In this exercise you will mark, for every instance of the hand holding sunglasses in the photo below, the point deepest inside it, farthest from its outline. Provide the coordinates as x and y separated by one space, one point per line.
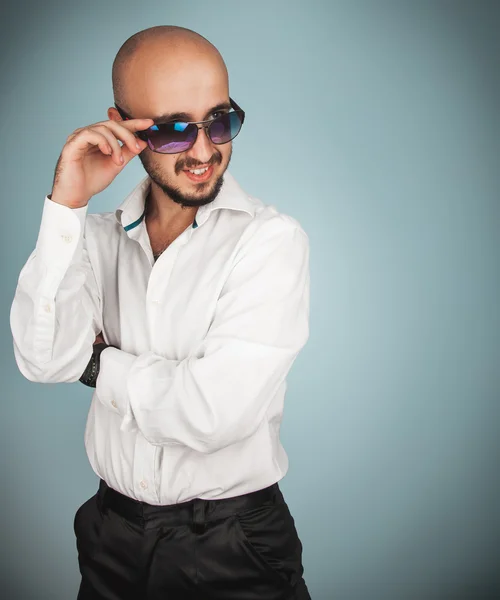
92 158
174 137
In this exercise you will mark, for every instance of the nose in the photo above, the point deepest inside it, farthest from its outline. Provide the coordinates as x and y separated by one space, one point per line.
203 148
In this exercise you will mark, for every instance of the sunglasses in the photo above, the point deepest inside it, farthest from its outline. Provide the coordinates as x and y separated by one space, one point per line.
176 136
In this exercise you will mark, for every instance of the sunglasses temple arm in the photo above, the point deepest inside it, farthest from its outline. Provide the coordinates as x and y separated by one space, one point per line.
125 117
233 104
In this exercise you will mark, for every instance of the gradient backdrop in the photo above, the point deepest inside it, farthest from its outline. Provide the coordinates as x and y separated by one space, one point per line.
375 124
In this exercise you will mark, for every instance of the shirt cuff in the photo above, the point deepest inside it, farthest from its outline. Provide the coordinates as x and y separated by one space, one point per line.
111 384
61 233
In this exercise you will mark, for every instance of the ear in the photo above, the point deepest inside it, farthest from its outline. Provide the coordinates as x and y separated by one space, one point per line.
113 114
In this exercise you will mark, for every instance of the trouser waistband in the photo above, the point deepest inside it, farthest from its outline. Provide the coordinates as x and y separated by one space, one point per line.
197 510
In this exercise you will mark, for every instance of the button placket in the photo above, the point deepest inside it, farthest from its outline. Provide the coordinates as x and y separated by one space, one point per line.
144 469
169 258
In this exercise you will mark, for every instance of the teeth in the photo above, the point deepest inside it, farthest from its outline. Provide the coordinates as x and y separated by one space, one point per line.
198 171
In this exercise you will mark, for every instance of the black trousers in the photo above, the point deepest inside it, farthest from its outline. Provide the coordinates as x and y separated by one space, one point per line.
240 548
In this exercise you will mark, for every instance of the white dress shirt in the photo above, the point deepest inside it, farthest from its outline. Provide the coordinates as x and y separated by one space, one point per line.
191 403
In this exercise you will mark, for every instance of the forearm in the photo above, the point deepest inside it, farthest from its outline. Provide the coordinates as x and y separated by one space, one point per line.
56 313
219 394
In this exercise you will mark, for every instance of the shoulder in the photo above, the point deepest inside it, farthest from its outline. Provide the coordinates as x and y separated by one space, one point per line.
102 224
270 238
269 223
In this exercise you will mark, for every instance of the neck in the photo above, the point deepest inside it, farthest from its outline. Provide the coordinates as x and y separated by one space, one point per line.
164 212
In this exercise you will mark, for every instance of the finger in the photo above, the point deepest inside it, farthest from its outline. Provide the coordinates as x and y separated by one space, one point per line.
133 124
79 144
130 124
112 141
124 151
128 154
125 130
122 133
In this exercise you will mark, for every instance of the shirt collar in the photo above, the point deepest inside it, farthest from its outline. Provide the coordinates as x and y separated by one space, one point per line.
130 213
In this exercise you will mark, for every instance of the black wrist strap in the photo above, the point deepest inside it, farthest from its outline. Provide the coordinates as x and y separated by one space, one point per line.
89 376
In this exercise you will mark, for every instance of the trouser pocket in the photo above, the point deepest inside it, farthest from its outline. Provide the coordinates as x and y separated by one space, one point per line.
269 533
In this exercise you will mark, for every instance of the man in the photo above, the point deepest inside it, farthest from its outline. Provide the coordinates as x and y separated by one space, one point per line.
192 301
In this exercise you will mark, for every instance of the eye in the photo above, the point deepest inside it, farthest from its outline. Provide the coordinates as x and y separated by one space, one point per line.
218 113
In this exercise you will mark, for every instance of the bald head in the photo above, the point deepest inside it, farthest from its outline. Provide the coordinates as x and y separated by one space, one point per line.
165 60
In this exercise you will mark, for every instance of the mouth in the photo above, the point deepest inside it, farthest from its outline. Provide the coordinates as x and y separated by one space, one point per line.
199 175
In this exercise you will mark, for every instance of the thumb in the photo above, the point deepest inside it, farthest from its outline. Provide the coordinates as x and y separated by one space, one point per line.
129 154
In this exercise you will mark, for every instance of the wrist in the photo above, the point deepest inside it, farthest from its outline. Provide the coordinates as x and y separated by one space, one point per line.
55 198
89 376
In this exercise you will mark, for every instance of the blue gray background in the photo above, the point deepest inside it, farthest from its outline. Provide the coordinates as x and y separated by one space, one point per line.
375 124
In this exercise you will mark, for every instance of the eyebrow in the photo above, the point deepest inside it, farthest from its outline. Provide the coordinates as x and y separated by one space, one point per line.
185 117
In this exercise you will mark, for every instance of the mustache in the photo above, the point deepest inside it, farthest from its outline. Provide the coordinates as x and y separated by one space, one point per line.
216 159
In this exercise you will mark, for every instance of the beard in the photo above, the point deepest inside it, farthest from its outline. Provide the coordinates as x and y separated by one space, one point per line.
175 194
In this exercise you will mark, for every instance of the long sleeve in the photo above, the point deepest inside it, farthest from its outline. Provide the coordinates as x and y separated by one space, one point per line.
56 311
220 392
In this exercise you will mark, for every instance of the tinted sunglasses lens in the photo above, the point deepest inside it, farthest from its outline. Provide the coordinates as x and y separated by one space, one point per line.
171 138
225 128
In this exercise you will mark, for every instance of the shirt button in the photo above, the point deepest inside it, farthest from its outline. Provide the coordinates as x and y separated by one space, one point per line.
143 484
47 308
114 403
67 238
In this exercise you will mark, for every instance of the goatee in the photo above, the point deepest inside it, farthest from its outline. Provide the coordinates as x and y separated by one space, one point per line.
175 194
